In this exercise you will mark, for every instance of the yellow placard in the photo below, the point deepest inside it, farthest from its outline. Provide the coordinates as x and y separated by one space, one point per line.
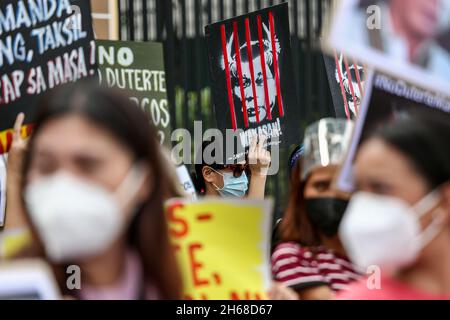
222 247
6 137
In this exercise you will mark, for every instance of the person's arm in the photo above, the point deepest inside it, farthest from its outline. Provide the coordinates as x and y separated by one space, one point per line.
322 292
279 291
259 161
15 211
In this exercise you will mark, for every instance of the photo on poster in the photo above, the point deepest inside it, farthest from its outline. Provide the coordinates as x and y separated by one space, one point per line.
407 39
253 89
43 44
385 99
346 78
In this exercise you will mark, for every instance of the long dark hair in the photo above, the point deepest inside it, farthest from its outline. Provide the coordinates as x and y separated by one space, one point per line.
295 225
424 137
116 113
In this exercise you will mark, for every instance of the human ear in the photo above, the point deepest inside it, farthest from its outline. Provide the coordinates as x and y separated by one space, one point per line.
445 204
208 174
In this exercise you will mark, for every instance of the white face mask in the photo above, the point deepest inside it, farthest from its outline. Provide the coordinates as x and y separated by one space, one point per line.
77 219
386 231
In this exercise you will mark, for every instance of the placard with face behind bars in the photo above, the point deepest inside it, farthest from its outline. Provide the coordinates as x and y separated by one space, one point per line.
346 78
252 82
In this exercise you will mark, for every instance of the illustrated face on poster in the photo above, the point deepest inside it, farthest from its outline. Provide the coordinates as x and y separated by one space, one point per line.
385 99
346 79
251 75
407 38
258 73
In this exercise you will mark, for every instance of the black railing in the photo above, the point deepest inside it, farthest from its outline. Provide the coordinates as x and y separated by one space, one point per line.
179 24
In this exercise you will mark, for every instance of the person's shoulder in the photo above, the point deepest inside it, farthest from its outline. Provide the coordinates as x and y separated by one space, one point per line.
292 248
286 248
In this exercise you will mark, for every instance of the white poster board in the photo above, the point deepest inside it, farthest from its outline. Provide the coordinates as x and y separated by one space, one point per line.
27 280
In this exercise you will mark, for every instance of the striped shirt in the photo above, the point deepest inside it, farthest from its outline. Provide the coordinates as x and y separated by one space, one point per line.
299 267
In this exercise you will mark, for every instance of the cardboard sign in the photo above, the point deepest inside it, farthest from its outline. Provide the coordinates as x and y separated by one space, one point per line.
346 79
385 98
409 41
222 247
250 65
105 19
28 280
186 182
138 67
43 44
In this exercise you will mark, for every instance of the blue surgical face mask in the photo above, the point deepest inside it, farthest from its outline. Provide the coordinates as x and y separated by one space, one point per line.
232 186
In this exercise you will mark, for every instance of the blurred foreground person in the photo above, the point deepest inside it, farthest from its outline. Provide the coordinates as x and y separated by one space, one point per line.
94 186
15 236
310 258
399 219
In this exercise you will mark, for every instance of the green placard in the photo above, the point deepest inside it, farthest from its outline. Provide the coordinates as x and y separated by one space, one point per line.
138 67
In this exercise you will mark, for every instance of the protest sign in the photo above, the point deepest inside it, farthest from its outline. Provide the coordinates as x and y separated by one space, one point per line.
27 280
385 98
186 182
138 67
222 247
346 79
43 44
407 41
252 84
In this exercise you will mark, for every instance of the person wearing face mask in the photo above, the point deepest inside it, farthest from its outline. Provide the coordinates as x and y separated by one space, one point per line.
243 179
398 221
310 257
94 183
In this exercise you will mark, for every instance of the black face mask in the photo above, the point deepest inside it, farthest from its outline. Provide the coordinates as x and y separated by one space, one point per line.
325 214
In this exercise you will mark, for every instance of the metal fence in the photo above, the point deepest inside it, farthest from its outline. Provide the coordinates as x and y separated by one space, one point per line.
179 24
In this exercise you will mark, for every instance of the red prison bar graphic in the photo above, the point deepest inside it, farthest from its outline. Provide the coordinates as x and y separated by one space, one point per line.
239 68
263 67
237 59
275 64
228 77
350 83
358 77
252 70
341 83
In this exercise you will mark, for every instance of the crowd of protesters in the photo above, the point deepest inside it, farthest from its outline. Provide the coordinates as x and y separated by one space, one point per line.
88 188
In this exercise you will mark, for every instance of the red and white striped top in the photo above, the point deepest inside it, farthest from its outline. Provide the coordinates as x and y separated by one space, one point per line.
299 267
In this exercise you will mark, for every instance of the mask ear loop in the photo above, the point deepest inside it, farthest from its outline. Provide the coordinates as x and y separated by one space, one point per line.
215 186
432 230
426 204
131 184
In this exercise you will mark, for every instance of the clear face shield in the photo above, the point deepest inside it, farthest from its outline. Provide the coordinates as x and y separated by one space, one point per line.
326 142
